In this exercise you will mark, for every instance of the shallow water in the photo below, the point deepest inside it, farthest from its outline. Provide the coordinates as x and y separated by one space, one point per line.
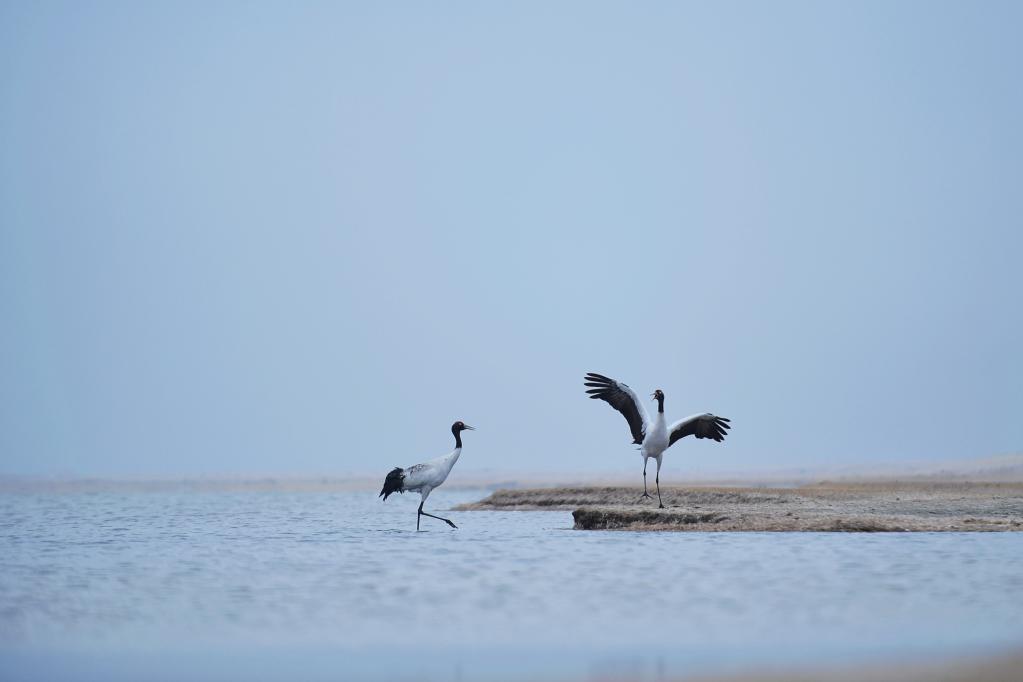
340 586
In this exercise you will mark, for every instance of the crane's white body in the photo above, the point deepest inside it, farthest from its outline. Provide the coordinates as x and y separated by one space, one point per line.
423 478
656 440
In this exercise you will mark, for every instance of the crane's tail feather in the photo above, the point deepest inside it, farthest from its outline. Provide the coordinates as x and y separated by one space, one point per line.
393 483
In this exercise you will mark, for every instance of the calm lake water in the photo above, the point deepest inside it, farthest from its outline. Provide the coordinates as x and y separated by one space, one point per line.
282 586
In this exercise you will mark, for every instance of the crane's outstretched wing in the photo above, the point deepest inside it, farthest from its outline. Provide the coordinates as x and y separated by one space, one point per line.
619 396
704 425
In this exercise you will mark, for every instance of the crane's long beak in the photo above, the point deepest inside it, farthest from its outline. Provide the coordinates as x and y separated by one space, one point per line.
469 428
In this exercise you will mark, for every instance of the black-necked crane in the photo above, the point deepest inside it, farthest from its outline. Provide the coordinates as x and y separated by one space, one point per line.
653 437
424 478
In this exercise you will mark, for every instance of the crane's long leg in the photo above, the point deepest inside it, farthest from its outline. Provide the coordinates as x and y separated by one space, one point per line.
439 518
645 493
657 480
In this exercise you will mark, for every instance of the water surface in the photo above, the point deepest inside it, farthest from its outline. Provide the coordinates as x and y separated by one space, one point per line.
334 586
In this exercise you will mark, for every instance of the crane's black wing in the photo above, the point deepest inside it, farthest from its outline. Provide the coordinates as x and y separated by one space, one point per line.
619 396
393 483
704 425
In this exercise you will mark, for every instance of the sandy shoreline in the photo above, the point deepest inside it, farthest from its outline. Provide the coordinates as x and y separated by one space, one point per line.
1004 667
858 507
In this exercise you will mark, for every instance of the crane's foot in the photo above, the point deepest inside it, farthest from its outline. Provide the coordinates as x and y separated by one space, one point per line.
450 524
647 496
661 506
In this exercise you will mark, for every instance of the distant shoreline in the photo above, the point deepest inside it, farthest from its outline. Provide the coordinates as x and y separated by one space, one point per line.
891 506
998 469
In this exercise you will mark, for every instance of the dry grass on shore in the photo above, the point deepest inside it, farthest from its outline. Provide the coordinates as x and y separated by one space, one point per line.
859 507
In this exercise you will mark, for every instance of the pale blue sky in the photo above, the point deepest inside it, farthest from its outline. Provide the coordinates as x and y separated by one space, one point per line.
306 237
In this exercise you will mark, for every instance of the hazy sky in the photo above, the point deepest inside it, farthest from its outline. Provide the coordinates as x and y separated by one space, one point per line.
305 237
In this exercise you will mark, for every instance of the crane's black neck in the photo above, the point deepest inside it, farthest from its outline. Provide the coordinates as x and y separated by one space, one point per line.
458 436
660 404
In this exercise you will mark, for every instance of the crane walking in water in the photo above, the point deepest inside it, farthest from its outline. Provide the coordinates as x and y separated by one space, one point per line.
653 437
423 478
